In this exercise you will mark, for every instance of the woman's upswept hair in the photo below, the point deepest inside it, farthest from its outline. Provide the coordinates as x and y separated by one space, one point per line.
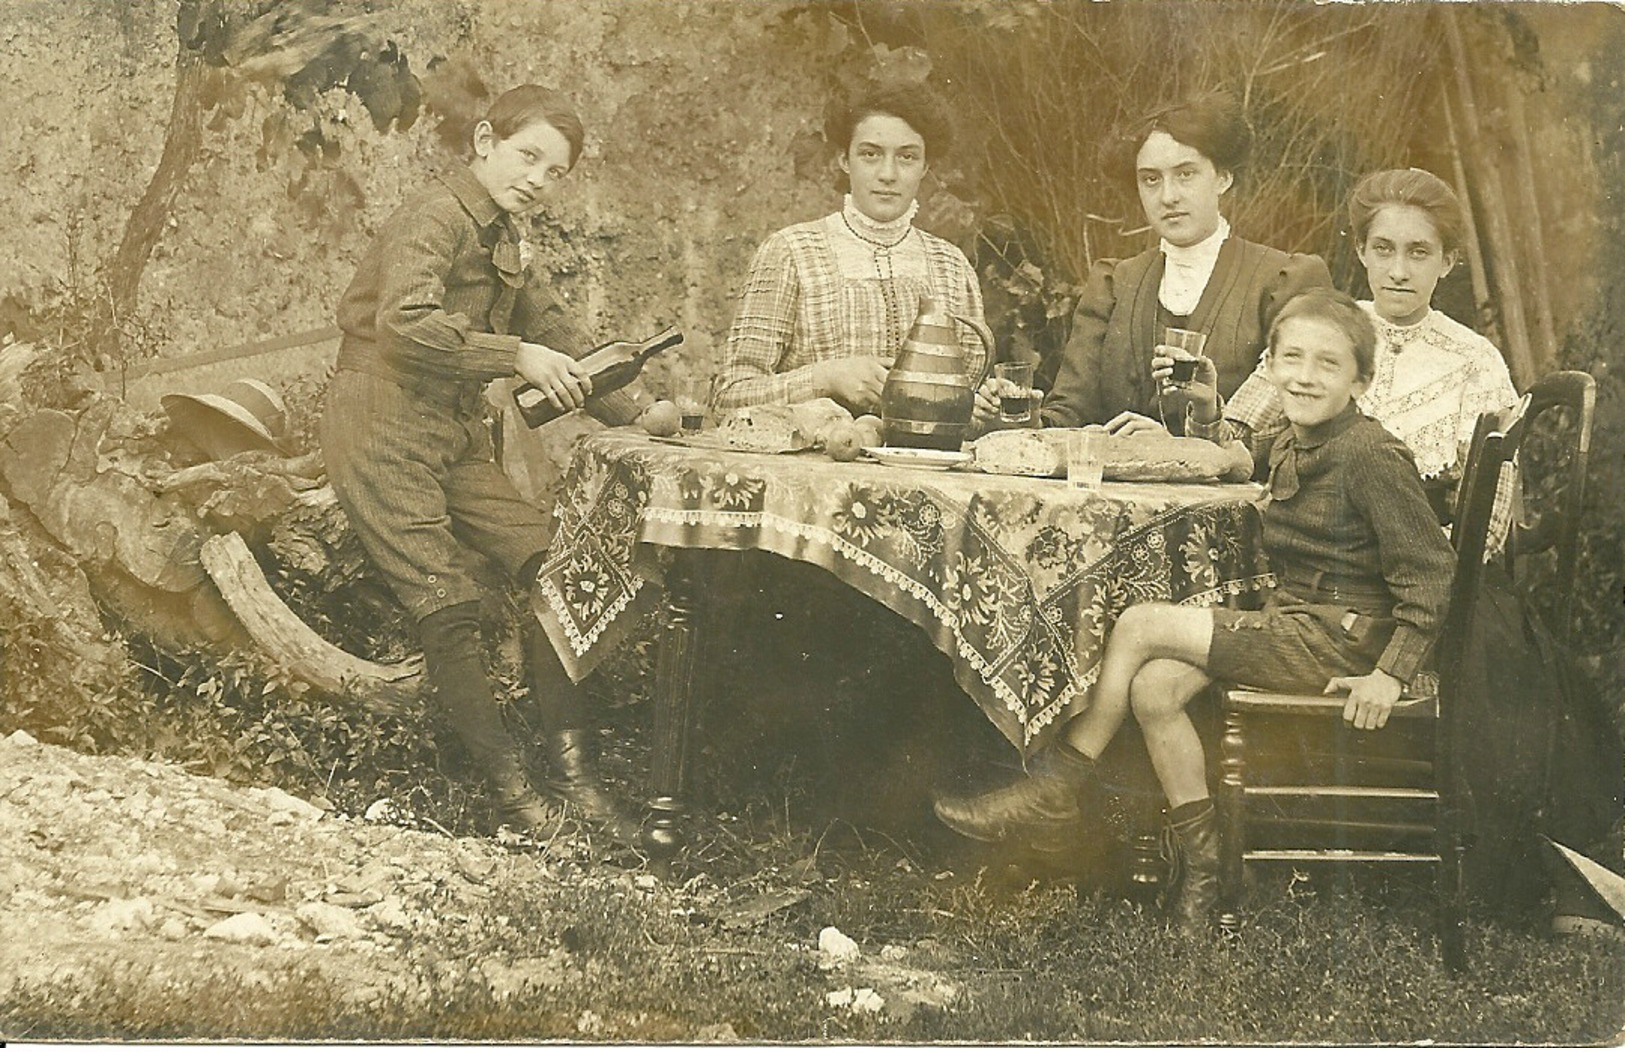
1210 122
1407 186
517 108
1337 308
914 102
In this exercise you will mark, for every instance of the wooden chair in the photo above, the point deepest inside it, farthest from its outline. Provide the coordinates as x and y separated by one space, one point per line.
1537 764
1553 440
1299 785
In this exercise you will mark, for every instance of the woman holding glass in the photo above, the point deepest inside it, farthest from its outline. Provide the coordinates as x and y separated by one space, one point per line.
1117 367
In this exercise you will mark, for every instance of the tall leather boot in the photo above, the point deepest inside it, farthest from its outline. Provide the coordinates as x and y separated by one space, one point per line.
1045 809
451 659
571 760
1193 833
518 805
573 775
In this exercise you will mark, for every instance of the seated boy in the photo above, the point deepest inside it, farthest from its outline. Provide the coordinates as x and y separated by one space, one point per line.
1364 578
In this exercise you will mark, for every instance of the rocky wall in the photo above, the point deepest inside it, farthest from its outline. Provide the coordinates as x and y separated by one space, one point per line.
693 111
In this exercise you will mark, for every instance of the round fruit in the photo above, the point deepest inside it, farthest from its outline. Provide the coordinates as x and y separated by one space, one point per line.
873 431
662 419
844 443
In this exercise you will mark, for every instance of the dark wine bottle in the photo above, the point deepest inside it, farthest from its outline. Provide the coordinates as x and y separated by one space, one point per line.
611 366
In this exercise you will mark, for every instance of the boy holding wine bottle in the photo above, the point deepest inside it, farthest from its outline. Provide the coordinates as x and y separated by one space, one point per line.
442 303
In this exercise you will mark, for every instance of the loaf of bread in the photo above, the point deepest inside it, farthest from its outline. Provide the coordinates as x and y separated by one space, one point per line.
1020 451
1145 457
782 428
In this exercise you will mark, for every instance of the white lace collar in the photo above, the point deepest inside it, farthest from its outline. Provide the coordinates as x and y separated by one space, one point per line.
1187 269
873 231
1397 336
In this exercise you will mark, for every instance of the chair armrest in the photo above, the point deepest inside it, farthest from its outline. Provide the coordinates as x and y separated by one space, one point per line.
1240 699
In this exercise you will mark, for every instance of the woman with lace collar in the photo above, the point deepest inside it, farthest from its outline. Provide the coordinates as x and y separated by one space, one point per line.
827 303
1113 370
1434 376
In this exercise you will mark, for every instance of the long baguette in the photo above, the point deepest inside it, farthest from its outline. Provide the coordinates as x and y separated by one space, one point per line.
1153 457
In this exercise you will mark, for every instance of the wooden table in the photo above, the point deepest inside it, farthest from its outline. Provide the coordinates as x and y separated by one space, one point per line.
1017 580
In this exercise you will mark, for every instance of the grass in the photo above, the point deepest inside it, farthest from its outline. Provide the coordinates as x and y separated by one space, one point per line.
1039 963
820 791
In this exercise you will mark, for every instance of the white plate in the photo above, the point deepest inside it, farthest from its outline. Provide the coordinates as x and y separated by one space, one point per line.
924 459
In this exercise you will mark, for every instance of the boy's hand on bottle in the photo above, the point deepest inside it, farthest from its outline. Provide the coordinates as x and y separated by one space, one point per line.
560 378
854 382
1371 698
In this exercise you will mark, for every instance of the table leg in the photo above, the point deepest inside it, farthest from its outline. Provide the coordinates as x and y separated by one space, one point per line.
1146 864
672 760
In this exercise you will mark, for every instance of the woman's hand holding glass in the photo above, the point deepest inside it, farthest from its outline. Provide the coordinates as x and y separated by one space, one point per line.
1201 390
985 411
560 378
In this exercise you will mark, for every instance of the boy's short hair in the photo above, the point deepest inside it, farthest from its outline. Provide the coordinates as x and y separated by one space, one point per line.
518 108
1336 308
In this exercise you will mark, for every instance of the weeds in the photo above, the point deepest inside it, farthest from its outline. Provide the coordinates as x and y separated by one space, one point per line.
89 330
1046 964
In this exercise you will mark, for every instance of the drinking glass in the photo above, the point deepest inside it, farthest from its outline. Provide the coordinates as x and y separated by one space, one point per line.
1085 459
1186 346
1015 389
693 413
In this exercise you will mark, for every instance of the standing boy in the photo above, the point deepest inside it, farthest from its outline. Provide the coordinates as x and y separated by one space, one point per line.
443 302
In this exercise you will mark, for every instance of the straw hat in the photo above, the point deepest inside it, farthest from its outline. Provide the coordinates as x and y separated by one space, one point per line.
246 415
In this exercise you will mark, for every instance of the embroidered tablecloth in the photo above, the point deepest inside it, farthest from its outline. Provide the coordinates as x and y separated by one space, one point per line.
1017 580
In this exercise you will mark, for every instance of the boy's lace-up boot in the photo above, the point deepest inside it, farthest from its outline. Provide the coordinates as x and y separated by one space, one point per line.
1045 809
518 805
1192 841
452 659
573 775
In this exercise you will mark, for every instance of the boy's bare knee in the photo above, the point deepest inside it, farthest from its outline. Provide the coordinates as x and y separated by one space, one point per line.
1136 627
1158 692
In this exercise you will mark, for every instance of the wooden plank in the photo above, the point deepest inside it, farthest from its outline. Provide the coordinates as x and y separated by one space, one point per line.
1334 855
159 366
1362 792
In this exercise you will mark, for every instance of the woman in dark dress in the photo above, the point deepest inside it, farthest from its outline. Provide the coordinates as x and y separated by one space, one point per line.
1199 277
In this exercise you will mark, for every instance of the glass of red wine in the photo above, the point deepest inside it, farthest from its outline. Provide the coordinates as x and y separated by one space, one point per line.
1014 383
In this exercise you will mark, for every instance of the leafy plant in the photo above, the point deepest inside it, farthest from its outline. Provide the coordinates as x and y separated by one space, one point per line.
89 328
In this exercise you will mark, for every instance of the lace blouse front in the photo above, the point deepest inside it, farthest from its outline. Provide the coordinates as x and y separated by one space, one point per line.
1432 380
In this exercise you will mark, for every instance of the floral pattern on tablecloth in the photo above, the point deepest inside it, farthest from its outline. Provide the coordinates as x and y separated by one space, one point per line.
1017 580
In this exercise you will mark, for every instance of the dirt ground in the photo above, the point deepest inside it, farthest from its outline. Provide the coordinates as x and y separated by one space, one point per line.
131 867
149 878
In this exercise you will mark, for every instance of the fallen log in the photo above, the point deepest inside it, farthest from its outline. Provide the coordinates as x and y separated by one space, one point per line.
280 635
61 661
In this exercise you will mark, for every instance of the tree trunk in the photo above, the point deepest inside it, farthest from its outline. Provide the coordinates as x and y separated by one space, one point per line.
1501 247
183 140
292 646
57 660
1538 288
1458 173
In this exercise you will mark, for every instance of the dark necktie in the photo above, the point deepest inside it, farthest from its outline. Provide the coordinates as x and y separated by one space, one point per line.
1283 482
506 257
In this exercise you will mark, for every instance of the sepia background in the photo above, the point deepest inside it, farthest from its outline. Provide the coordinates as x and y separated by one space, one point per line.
219 189
188 185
